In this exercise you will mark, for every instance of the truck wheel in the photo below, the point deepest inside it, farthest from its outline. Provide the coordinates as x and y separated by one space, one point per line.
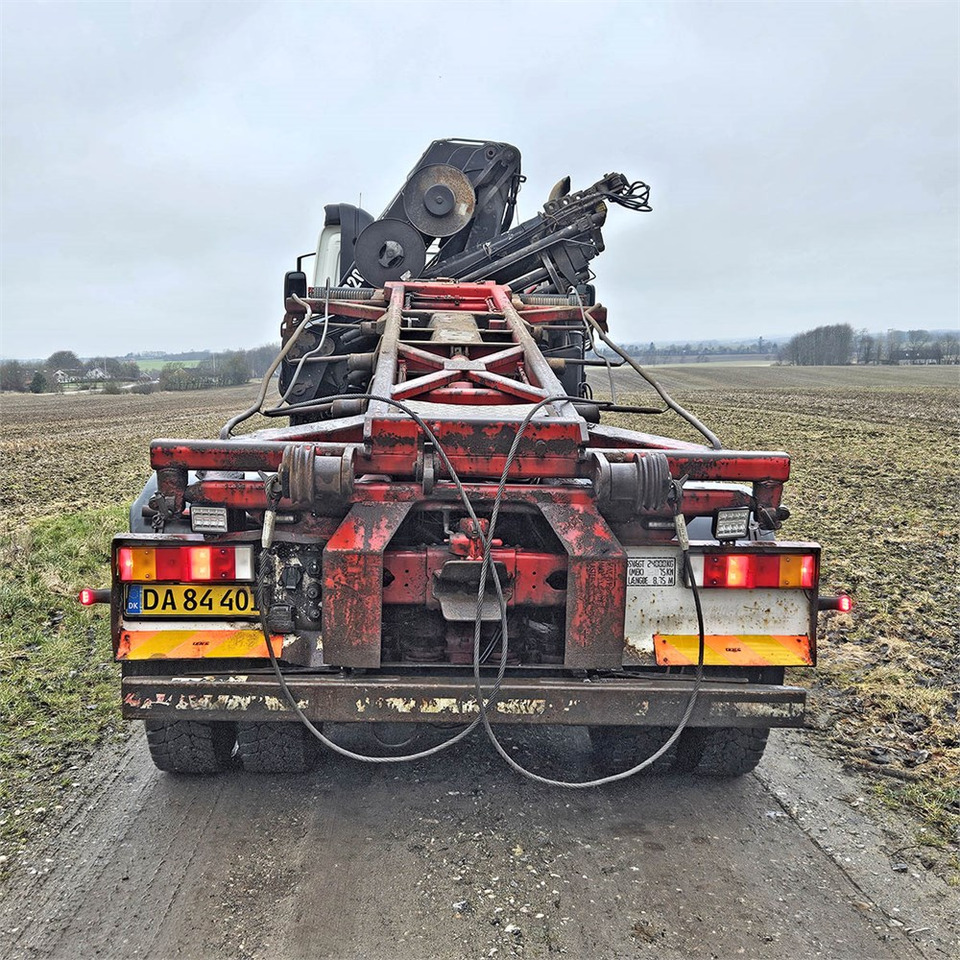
721 751
190 746
283 747
616 749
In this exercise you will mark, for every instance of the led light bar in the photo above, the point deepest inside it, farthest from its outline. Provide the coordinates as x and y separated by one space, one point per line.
208 519
751 571
731 523
203 564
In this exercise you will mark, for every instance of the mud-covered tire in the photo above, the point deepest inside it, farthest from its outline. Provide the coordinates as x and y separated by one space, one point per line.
283 747
190 746
617 748
723 752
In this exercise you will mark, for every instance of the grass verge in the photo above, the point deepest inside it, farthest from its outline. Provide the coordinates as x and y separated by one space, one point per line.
58 682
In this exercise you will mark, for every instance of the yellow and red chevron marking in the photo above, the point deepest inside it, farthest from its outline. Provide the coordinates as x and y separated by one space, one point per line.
757 650
193 644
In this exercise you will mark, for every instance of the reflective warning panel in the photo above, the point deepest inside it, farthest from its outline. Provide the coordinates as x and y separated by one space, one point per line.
759 650
193 644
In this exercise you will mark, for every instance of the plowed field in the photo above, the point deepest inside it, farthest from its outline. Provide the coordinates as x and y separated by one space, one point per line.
875 480
63 452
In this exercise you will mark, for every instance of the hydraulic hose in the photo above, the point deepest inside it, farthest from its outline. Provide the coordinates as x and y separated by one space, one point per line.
265 571
484 702
227 429
664 396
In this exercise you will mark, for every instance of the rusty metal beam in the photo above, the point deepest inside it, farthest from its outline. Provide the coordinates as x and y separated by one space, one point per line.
596 584
641 701
353 583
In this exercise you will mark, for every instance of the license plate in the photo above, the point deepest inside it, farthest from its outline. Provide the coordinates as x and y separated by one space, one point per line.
197 601
651 571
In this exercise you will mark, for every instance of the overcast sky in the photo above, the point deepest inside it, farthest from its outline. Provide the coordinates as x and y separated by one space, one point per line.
163 164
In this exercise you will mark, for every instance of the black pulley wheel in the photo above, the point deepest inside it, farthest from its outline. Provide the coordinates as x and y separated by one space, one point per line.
439 200
388 249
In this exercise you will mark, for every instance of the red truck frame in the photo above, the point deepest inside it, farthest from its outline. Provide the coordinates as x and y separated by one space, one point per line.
370 600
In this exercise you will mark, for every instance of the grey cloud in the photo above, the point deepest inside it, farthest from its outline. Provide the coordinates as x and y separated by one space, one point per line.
164 163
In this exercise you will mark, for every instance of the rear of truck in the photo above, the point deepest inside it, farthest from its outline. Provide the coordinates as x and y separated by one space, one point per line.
444 531
465 542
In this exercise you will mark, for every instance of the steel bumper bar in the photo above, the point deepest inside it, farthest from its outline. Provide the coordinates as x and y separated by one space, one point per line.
641 701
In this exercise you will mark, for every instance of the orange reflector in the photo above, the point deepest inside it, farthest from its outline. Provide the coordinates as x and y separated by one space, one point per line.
791 570
143 563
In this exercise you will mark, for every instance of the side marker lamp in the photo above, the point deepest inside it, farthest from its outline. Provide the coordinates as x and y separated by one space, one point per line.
843 603
731 523
88 596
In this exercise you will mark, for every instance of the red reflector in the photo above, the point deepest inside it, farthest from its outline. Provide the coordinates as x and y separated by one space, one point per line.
125 563
807 571
844 603
767 571
222 564
169 565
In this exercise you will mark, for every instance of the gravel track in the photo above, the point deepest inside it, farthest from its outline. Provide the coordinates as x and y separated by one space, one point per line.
458 858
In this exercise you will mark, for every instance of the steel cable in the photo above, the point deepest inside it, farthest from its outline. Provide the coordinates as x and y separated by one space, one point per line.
483 702
227 429
664 396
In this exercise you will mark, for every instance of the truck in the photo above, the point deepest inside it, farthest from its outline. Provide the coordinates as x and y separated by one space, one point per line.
436 526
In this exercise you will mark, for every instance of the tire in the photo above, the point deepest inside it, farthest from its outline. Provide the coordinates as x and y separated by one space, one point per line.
283 747
190 746
723 752
616 748
397 739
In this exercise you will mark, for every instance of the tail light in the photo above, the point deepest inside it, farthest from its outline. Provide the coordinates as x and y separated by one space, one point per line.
200 564
750 571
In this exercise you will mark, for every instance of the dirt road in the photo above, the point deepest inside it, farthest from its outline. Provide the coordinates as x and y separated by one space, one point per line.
457 858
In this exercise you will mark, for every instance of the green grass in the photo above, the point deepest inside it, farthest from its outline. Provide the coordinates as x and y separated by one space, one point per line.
58 682
873 479
155 366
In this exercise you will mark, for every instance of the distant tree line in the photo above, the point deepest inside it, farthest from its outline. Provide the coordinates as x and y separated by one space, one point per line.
64 368
822 347
693 351
218 369
907 347
840 344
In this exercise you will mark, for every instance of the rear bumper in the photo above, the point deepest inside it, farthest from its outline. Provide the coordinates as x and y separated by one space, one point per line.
631 701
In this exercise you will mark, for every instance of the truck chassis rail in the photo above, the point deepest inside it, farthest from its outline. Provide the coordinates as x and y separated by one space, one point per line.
628 701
